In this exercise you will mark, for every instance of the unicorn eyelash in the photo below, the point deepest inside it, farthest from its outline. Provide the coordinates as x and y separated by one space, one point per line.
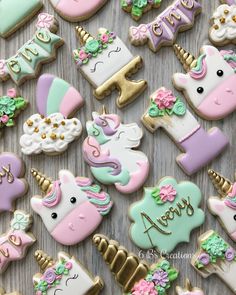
118 136
57 290
72 278
95 66
118 49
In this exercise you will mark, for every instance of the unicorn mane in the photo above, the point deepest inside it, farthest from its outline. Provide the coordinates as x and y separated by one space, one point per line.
53 198
230 200
94 156
230 57
102 122
200 70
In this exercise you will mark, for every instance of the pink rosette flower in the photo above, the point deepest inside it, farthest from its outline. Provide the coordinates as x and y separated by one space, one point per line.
167 193
49 276
39 293
165 99
45 21
4 119
145 288
104 38
68 265
2 67
83 55
11 92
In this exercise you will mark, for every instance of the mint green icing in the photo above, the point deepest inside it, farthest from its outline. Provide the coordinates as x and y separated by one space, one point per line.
199 63
104 176
97 132
178 109
151 227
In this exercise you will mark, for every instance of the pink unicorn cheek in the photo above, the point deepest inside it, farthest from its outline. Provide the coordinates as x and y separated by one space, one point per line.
221 101
77 225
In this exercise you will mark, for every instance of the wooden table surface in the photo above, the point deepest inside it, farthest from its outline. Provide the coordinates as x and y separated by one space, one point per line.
160 149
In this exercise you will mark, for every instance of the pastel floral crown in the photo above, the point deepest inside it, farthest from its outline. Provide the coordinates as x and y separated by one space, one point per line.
93 47
52 277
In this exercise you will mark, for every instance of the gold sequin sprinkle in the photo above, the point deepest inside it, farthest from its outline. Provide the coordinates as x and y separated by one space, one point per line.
36 130
75 122
47 121
216 27
55 125
226 11
43 136
63 123
42 116
62 137
222 20
29 123
234 18
53 136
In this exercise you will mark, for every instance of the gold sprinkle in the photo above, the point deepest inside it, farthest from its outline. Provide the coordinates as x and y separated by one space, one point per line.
222 20
29 123
75 122
234 18
53 136
216 27
47 121
62 137
42 116
55 125
63 123
226 11
43 136
36 130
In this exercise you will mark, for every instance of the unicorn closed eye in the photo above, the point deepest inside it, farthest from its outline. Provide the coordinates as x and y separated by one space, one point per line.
224 206
72 208
108 151
210 84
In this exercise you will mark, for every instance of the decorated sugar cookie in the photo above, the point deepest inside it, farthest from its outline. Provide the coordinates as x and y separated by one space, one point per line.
16 241
138 8
3 292
224 206
65 276
72 208
133 275
188 290
230 2
210 83
166 215
12 183
169 112
108 150
215 256
163 31
11 105
18 13
52 129
41 49
77 10
223 29
106 62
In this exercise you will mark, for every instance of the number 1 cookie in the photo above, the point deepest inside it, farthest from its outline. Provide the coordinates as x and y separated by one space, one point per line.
66 276
105 61
133 275
188 290
200 147
224 205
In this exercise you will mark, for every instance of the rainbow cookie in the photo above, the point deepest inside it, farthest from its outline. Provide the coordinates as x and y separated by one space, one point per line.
18 13
166 215
41 49
11 105
16 241
72 208
52 129
224 206
12 183
163 31
106 62
215 256
200 147
108 150
138 8
133 275
188 290
223 29
66 276
3 292
77 10
210 82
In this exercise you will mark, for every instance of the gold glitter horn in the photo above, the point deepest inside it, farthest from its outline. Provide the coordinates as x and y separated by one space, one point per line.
43 181
187 60
127 267
44 261
83 35
222 184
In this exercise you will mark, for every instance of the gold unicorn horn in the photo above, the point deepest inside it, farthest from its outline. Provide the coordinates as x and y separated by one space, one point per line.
187 60
222 184
44 182
44 261
83 35
127 267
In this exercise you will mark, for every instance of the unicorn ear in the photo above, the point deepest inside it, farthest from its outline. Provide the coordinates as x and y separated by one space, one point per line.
36 204
210 50
180 80
66 177
216 205
63 256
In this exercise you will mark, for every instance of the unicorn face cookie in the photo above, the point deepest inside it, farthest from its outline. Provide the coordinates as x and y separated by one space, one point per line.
188 290
79 10
52 129
210 84
169 112
108 150
18 13
133 275
64 276
72 208
105 62
224 206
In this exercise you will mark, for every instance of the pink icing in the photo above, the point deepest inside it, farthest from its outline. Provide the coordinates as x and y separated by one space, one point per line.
167 193
71 101
53 198
232 194
45 21
83 220
201 73
139 33
144 287
11 92
164 99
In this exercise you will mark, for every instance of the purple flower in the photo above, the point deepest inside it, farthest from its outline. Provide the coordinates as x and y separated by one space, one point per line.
49 276
160 277
230 254
204 259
